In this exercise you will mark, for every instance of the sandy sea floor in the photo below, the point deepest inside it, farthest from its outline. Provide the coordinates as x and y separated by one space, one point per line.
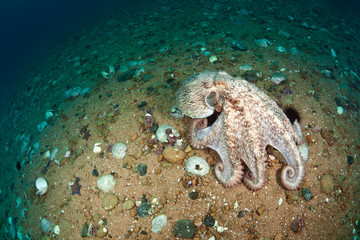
164 41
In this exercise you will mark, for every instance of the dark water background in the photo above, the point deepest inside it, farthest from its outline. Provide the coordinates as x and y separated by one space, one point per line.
30 29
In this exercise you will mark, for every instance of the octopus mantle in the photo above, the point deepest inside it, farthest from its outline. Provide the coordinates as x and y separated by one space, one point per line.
247 121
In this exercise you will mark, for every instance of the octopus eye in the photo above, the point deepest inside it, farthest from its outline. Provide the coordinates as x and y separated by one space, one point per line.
212 99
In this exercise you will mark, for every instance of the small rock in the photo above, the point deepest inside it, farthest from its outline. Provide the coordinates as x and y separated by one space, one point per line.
142 105
141 169
184 229
158 223
193 195
242 213
134 137
101 232
84 230
174 155
144 209
278 78
110 201
128 204
327 183
328 136
292 196
350 159
260 210
310 138
307 194
209 221
278 236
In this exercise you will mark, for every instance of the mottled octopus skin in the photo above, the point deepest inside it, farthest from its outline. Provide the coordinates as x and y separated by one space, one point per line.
248 121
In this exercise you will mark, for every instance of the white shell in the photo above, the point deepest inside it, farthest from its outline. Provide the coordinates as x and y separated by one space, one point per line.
105 75
213 59
161 134
340 110
197 166
111 70
49 114
42 186
97 148
263 42
56 229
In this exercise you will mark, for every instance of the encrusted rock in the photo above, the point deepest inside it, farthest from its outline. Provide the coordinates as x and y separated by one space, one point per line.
110 201
327 183
128 204
184 229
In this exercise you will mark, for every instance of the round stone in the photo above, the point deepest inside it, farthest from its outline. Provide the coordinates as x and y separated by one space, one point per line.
307 194
141 169
327 183
184 229
101 232
110 201
128 204
193 195
158 223
174 155
209 221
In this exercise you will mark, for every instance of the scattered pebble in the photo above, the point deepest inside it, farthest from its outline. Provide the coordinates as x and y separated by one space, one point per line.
306 193
158 223
350 159
260 210
278 78
242 213
141 169
184 229
327 183
84 230
128 204
292 196
209 221
110 201
193 195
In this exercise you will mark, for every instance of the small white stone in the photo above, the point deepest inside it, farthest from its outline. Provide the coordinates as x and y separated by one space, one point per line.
111 70
333 53
213 59
105 75
281 49
340 110
280 201
97 148
49 114
158 223
56 230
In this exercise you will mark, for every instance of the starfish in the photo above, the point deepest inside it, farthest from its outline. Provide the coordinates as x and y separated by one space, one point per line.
75 188
238 121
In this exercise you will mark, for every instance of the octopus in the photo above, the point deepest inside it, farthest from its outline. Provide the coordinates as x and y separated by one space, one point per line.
238 121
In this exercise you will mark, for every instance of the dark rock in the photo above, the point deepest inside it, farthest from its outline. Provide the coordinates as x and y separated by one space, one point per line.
141 169
338 101
141 105
84 230
147 77
209 221
184 229
350 159
193 195
154 128
95 172
126 76
239 46
242 213
144 208
307 194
